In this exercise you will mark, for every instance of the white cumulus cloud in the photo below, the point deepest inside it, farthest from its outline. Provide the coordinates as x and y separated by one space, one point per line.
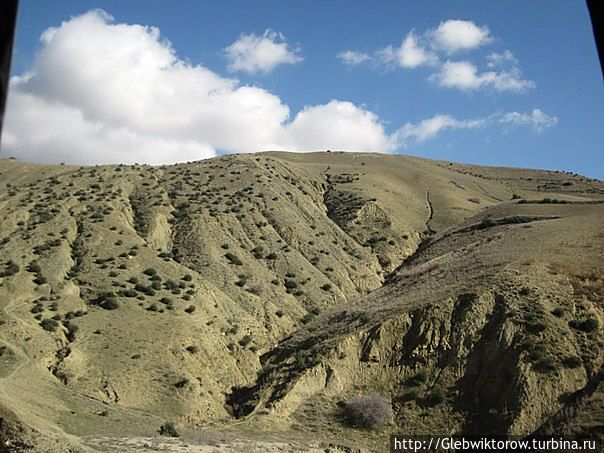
104 92
450 37
253 54
454 35
101 92
410 54
464 75
338 125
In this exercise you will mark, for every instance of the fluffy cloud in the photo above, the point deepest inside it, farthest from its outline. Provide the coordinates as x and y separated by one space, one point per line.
465 76
253 54
338 125
455 35
101 92
448 38
410 54
537 120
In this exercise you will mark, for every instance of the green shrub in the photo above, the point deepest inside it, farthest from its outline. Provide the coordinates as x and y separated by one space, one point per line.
258 252
34 268
247 339
168 429
190 309
326 287
435 397
558 312
145 290
290 284
40 280
420 378
49 324
586 325
11 269
233 259
110 303
192 349
536 327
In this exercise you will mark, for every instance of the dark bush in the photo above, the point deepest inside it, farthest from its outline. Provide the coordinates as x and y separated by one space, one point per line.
11 269
40 280
368 411
233 259
110 303
545 365
34 268
49 324
247 339
536 327
190 309
586 325
435 397
558 312
418 379
290 284
572 362
168 429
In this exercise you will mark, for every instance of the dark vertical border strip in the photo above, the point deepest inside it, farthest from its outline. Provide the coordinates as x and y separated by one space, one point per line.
8 21
596 11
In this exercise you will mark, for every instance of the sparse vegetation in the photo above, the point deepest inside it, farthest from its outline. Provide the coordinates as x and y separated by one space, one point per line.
295 276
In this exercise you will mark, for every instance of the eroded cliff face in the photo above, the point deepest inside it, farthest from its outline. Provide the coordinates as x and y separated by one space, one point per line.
512 356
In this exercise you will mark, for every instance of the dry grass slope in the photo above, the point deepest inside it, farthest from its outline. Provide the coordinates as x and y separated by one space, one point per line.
248 298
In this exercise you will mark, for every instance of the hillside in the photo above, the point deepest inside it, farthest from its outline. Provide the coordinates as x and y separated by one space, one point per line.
246 297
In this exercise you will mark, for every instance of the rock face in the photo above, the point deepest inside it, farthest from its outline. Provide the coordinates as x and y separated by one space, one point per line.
258 293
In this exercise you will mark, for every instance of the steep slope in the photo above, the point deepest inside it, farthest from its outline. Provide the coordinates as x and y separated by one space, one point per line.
197 292
492 327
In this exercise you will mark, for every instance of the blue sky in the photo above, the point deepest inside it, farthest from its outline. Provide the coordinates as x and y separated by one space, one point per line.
384 103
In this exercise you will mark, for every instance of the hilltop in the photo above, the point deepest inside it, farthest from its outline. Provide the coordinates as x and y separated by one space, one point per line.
247 298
